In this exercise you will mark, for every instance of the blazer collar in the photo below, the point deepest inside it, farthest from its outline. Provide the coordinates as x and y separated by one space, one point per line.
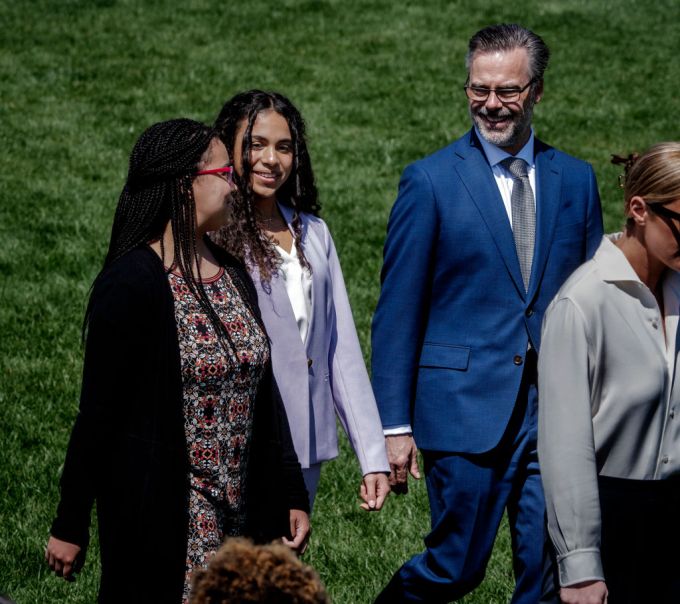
476 175
287 213
548 203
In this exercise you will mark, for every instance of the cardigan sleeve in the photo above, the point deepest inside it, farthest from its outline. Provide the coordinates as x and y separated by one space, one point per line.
566 445
352 392
107 353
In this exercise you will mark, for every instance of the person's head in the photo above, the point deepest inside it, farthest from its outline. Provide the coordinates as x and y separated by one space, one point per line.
178 174
505 65
243 573
651 188
163 187
265 134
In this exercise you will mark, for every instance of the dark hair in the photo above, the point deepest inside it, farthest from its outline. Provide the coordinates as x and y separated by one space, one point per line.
509 36
158 190
242 573
298 192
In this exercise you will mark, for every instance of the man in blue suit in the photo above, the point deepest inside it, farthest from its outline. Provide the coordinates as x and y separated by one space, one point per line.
480 238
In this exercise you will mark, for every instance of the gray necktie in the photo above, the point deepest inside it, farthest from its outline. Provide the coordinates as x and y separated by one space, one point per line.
523 215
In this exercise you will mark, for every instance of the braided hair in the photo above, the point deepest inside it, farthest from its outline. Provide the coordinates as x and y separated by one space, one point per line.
158 190
298 192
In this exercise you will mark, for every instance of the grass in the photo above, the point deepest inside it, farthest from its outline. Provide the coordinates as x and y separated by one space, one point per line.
379 84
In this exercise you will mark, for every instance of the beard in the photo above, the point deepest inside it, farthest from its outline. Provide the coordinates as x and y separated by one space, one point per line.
515 130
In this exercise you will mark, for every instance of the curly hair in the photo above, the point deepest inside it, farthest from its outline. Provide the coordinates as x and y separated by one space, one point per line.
244 573
158 190
298 192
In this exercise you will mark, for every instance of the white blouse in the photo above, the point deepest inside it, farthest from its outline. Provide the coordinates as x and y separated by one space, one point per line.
609 403
298 287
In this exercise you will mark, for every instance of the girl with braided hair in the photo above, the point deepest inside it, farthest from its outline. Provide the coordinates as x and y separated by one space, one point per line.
609 439
181 438
316 355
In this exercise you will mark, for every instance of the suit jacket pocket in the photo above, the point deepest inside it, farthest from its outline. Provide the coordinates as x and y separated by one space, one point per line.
445 356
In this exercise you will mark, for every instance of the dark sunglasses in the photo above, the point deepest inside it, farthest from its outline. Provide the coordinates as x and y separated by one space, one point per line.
661 210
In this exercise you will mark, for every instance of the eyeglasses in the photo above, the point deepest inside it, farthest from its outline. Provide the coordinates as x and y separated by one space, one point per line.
660 209
227 170
504 95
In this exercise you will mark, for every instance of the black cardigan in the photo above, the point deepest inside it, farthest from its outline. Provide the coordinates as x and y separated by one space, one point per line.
128 451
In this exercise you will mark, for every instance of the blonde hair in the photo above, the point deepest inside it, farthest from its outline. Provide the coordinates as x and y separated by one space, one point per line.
242 572
654 175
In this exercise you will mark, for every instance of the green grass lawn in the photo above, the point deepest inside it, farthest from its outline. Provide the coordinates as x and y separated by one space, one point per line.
379 84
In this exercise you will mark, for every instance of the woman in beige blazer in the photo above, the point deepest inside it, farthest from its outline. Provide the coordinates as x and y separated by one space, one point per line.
609 410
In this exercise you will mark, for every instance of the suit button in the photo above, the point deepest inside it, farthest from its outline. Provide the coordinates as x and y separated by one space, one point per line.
529 312
309 362
517 360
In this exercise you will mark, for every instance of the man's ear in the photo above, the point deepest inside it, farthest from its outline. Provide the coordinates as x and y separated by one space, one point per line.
538 91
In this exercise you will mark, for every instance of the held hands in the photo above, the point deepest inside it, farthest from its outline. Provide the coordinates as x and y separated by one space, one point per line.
300 530
63 558
588 592
403 457
373 490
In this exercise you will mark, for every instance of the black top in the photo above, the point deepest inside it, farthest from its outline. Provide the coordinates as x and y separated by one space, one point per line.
127 449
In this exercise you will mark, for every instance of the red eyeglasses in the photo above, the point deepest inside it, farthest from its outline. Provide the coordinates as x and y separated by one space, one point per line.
228 171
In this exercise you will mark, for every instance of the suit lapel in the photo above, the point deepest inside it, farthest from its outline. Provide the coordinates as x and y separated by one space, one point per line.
548 198
477 176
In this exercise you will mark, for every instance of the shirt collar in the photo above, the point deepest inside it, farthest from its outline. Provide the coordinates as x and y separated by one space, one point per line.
615 268
612 263
495 154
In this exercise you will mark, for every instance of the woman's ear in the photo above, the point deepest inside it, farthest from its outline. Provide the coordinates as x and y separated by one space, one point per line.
637 210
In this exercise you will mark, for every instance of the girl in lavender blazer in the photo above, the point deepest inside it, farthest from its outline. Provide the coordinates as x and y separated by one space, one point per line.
316 355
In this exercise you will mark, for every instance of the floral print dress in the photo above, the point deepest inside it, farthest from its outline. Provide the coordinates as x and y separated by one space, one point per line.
219 387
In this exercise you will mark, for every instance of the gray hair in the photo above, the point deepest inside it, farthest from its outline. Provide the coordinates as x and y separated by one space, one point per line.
509 36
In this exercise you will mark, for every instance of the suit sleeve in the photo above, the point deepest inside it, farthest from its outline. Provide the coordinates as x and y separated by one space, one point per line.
566 445
351 388
401 315
594 228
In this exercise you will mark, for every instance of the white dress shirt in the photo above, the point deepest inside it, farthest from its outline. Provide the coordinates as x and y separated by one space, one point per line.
608 403
504 180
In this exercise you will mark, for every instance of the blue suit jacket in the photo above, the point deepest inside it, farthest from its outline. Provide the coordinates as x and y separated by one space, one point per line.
453 319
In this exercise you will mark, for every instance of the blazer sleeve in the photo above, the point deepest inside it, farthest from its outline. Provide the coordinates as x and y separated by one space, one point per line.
351 388
401 315
566 447
107 352
594 227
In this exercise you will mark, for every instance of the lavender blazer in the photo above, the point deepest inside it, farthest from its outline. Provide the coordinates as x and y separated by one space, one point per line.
326 374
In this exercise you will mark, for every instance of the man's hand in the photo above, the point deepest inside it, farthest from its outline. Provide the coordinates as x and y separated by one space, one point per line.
588 592
374 488
300 530
403 457
63 558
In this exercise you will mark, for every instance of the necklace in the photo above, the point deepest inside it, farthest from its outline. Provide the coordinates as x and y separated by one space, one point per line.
267 220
